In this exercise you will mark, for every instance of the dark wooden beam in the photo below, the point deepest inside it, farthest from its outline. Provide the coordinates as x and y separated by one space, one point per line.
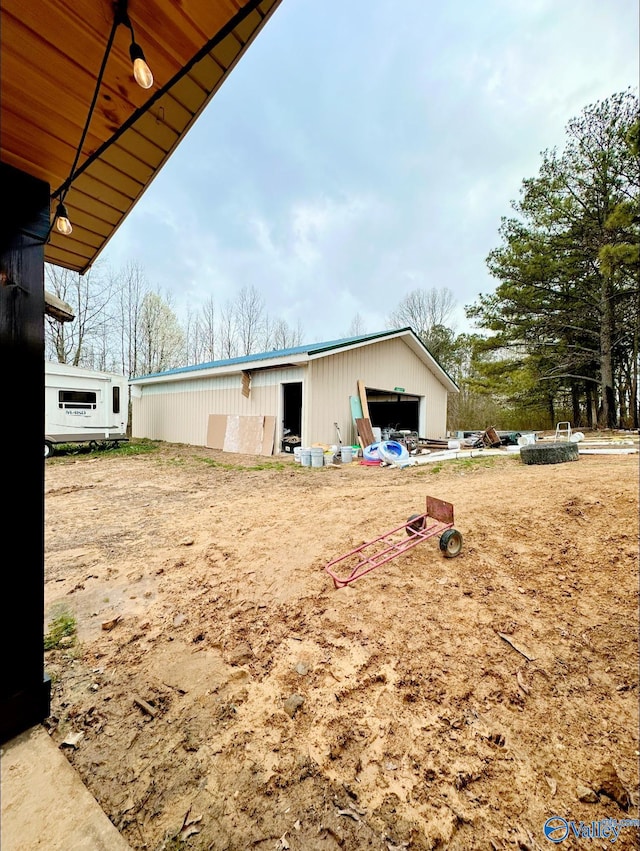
24 687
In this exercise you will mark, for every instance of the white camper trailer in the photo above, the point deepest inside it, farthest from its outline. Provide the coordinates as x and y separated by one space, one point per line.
84 406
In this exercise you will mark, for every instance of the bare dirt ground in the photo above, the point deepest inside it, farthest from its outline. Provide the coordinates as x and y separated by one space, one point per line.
417 725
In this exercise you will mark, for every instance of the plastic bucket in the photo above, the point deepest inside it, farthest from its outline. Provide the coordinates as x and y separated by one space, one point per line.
346 454
526 439
377 434
576 437
297 451
305 457
453 444
317 456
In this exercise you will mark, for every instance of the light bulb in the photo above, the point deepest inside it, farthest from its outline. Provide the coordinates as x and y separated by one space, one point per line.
141 70
142 73
63 225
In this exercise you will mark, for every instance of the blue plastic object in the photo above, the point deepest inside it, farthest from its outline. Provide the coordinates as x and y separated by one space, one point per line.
391 451
370 453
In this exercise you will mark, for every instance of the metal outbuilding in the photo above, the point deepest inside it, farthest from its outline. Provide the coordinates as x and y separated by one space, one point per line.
304 390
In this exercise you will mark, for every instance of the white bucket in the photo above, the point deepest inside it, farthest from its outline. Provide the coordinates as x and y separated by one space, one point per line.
526 439
346 454
317 456
576 437
305 457
377 434
453 444
297 451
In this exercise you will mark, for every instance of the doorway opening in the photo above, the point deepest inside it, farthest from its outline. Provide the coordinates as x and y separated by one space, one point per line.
292 410
392 411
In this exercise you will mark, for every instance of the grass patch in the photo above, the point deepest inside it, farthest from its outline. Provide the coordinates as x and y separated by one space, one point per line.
462 465
124 448
247 468
459 465
63 626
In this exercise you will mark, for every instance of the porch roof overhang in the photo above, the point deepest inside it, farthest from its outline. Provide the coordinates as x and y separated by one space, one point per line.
52 54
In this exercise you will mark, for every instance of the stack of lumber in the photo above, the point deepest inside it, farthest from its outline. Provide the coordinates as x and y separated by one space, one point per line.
363 423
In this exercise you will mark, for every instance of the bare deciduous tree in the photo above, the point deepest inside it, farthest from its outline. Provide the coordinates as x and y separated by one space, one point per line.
162 338
207 333
228 331
356 328
83 341
132 289
422 310
250 317
283 336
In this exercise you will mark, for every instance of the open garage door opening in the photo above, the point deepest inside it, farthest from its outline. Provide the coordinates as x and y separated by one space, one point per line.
292 409
393 411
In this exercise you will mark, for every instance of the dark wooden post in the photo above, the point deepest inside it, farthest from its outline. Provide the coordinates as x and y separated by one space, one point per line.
24 687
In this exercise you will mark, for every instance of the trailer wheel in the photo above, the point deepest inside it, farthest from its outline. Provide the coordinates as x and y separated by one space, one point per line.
48 448
417 525
451 543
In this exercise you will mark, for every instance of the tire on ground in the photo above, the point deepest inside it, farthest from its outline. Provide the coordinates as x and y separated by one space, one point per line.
551 453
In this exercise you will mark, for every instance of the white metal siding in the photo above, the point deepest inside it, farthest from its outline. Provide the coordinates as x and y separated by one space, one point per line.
178 411
381 366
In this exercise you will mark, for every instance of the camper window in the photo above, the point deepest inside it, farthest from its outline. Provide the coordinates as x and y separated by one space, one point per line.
76 399
116 400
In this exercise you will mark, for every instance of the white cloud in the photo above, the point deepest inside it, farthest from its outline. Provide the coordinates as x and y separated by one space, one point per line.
360 151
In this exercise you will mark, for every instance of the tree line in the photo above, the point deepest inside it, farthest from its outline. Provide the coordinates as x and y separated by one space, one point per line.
122 325
556 340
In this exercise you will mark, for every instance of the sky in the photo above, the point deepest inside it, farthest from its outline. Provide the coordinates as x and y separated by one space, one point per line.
362 150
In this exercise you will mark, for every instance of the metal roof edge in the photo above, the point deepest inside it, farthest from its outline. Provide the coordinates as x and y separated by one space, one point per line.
233 367
351 342
299 356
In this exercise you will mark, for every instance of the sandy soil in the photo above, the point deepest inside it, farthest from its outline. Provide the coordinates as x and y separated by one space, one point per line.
417 724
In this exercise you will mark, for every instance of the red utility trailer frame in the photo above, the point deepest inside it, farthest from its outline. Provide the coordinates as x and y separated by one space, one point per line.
437 520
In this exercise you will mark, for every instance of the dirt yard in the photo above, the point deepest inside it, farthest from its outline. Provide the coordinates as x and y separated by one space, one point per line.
228 696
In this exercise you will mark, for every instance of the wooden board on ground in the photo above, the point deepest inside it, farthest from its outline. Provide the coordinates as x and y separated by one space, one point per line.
251 434
246 435
365 431
268 436
216 430
362 393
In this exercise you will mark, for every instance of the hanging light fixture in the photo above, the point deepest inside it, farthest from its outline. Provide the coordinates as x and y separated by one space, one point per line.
143 77
141 71
63 225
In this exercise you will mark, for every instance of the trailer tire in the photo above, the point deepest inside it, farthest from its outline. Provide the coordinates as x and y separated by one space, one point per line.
48 449
417 525
451 543
551 453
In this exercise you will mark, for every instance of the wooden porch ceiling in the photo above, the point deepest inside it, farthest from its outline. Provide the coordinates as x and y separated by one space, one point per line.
51 54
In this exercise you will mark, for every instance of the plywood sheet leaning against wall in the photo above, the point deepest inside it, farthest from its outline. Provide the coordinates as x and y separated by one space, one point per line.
246 435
